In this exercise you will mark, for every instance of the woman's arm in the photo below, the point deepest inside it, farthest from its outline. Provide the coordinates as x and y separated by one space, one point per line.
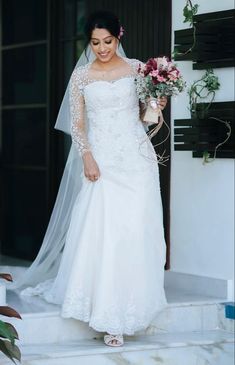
77 107
78 127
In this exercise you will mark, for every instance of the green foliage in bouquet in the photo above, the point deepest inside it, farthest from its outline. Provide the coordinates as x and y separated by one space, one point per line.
157 78
8 333
146 89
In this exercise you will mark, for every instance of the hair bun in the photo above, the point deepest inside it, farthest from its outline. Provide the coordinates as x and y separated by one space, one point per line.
103 20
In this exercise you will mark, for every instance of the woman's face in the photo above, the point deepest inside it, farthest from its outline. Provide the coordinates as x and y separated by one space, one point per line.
103 44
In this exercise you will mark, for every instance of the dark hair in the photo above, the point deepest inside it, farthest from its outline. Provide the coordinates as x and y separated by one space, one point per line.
102 19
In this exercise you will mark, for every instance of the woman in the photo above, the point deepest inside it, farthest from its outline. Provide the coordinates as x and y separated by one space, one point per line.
112 268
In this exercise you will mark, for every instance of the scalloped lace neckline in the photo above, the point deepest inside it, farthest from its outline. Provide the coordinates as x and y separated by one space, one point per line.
127 75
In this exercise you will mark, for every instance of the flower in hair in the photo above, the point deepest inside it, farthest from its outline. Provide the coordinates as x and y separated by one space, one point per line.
121 32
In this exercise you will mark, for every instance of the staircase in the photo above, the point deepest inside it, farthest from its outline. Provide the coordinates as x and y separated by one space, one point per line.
195 329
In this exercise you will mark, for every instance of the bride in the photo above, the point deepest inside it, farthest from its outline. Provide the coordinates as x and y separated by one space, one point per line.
103 255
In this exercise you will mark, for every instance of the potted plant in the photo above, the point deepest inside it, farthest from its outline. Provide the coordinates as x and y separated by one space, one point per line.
200 90
8 333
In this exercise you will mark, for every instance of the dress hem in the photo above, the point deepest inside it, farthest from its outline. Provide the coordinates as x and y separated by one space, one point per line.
129 332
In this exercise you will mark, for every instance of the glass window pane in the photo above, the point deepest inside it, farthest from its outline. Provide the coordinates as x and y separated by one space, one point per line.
81 17
24 76
80 45
74 18
69 18
23 136
23 21
24 206
71 53
69 62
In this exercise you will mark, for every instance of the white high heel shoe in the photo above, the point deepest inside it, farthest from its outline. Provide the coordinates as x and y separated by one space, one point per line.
109 338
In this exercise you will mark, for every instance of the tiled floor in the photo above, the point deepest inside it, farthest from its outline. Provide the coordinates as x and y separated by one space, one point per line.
211 347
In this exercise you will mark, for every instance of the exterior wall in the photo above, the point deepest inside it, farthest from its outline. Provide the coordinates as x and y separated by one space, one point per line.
202 196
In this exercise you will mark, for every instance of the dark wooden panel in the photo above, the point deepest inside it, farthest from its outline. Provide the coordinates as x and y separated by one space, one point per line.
214 45
199 135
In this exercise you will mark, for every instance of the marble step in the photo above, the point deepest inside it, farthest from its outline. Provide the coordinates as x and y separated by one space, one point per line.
50 327
214 347
175 282
200 285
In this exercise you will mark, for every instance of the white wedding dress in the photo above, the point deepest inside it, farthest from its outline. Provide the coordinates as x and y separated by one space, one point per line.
112 269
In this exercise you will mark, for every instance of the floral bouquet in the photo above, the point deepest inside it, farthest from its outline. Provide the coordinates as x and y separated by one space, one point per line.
157 78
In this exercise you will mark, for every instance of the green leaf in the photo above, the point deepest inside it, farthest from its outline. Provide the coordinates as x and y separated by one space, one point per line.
175 53
9 312
189 11
195 9
205 156
11 351
6 332
188 15
13 330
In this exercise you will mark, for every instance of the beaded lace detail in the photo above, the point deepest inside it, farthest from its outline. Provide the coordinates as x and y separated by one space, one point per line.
115 317
77 107
81 77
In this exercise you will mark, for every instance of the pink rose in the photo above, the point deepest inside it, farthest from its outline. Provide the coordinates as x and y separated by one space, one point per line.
161 78
154 73
162 62
150 66
173 75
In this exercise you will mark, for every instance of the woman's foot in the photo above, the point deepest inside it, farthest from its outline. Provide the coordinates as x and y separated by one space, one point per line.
113 340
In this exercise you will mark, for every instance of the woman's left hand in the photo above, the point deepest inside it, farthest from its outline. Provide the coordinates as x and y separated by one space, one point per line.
162 102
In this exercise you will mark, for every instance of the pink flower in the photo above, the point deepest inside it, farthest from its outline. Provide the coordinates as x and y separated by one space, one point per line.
150 66
162 62
161 78
141 70
173 75
154 73
121 32
171 66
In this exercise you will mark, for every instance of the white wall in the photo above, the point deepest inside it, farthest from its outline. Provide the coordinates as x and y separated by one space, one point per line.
202 196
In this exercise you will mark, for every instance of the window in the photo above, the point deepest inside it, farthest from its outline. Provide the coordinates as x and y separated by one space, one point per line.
41 41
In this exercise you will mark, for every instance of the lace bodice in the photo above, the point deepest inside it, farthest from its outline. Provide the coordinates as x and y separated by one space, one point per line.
81 104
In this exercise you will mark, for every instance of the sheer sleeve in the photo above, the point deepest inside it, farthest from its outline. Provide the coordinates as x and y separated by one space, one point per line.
77 110
136 64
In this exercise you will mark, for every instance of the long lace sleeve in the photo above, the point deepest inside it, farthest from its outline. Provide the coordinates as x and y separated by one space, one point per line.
77 110
136 64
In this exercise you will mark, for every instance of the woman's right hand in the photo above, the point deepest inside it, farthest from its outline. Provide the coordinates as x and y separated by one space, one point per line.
91 169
